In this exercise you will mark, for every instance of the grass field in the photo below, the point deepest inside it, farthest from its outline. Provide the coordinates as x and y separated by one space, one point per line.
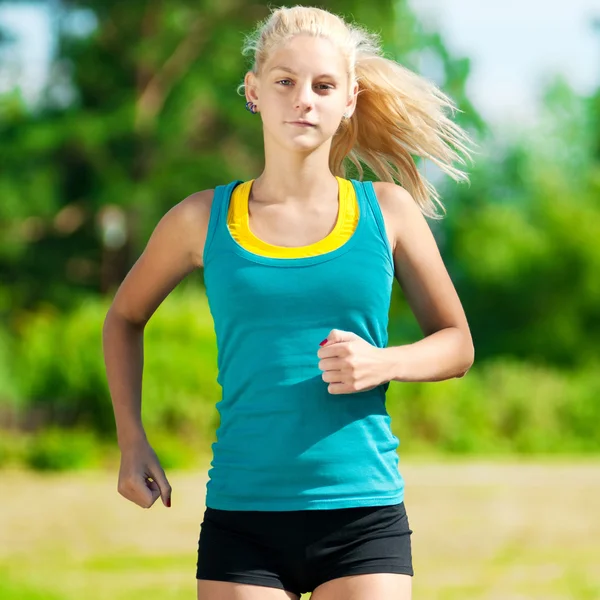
493 531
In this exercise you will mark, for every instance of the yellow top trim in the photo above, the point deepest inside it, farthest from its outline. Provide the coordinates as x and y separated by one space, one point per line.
239 226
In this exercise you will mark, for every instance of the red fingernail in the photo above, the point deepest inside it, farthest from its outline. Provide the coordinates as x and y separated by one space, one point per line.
323 342
169 502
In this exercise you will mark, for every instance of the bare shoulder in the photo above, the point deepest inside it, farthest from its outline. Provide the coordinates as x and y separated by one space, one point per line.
400 210
195 209
190 219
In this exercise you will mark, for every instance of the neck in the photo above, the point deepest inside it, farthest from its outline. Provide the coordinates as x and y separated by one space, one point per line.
295 177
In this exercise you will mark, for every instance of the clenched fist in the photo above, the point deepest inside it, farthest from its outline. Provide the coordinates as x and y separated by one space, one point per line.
350 364
141 478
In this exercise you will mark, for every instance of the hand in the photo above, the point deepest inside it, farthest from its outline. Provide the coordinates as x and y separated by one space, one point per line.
350 364
139 463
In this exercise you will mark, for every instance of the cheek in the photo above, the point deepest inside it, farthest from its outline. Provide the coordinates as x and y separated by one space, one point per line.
270 114
273 104
332 117
275 95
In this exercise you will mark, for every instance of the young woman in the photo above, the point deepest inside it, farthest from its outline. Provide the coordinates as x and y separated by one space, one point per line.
304 493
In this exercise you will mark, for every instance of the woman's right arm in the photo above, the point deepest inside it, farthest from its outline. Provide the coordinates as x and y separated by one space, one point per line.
174 250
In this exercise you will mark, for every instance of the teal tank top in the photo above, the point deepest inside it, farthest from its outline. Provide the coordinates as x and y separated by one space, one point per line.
284 442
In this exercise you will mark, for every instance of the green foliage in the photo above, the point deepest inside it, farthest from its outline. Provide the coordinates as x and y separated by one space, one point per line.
503 406
521 241
61 368
62 450
179 449
8 383
59 365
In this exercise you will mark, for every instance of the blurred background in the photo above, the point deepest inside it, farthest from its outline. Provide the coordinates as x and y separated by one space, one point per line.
112 112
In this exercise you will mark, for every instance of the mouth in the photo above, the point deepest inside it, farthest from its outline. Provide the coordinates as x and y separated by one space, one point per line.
301 123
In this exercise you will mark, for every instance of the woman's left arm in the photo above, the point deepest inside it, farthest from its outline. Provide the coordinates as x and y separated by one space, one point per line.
447 349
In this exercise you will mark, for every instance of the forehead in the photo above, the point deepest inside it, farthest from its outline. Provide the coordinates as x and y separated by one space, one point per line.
305 54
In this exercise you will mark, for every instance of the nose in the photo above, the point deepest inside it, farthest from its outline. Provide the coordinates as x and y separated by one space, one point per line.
304 98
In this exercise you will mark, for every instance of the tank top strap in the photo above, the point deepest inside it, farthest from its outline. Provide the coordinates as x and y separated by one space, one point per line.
375 209
218 215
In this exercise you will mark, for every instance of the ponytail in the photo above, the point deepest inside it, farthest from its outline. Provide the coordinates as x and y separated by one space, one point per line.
399 115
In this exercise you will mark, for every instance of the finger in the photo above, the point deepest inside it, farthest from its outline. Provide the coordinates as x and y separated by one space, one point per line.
332 376
155 495
137 489
335 335
151 493
165 488
152 485
330 364
339 335
338 388
142 493
154 489
331 350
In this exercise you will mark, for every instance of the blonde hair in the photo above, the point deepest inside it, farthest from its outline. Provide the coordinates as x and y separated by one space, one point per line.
398 113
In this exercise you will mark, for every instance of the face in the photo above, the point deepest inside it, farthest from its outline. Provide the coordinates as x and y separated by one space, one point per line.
304 80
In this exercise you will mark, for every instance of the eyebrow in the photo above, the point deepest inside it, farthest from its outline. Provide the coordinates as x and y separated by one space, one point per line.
288 70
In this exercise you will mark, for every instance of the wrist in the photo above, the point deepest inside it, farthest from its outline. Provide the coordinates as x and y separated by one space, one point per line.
131 437
393 362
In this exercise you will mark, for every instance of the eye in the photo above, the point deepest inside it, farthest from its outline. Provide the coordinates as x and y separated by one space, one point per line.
320 86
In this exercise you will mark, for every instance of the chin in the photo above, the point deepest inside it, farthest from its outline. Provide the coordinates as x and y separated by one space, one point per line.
303 143
285 137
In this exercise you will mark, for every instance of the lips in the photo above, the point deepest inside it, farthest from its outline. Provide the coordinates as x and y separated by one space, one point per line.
305 123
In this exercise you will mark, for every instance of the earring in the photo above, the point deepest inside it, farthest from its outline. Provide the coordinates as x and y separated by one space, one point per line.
251 107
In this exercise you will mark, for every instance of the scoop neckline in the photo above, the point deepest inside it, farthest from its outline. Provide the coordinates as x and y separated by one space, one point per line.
304 260
341 212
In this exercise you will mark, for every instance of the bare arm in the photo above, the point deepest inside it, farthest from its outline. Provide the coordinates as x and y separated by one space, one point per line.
447 348
174 250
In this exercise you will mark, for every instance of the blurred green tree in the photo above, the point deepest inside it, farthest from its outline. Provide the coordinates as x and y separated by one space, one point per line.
523 238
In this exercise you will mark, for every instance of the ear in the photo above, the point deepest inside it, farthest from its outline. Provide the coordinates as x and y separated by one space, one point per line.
351 103
251 87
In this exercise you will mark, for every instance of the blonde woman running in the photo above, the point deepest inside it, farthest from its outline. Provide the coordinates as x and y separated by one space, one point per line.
304 491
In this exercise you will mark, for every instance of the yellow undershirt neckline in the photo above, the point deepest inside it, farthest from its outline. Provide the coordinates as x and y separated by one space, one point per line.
238 222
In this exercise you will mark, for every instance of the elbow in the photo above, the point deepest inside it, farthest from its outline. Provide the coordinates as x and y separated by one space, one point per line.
107 322
116 327
110 320
119 317
108 316
463 372
468 356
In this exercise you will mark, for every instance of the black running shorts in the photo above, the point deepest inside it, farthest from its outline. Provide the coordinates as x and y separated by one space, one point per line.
299 550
